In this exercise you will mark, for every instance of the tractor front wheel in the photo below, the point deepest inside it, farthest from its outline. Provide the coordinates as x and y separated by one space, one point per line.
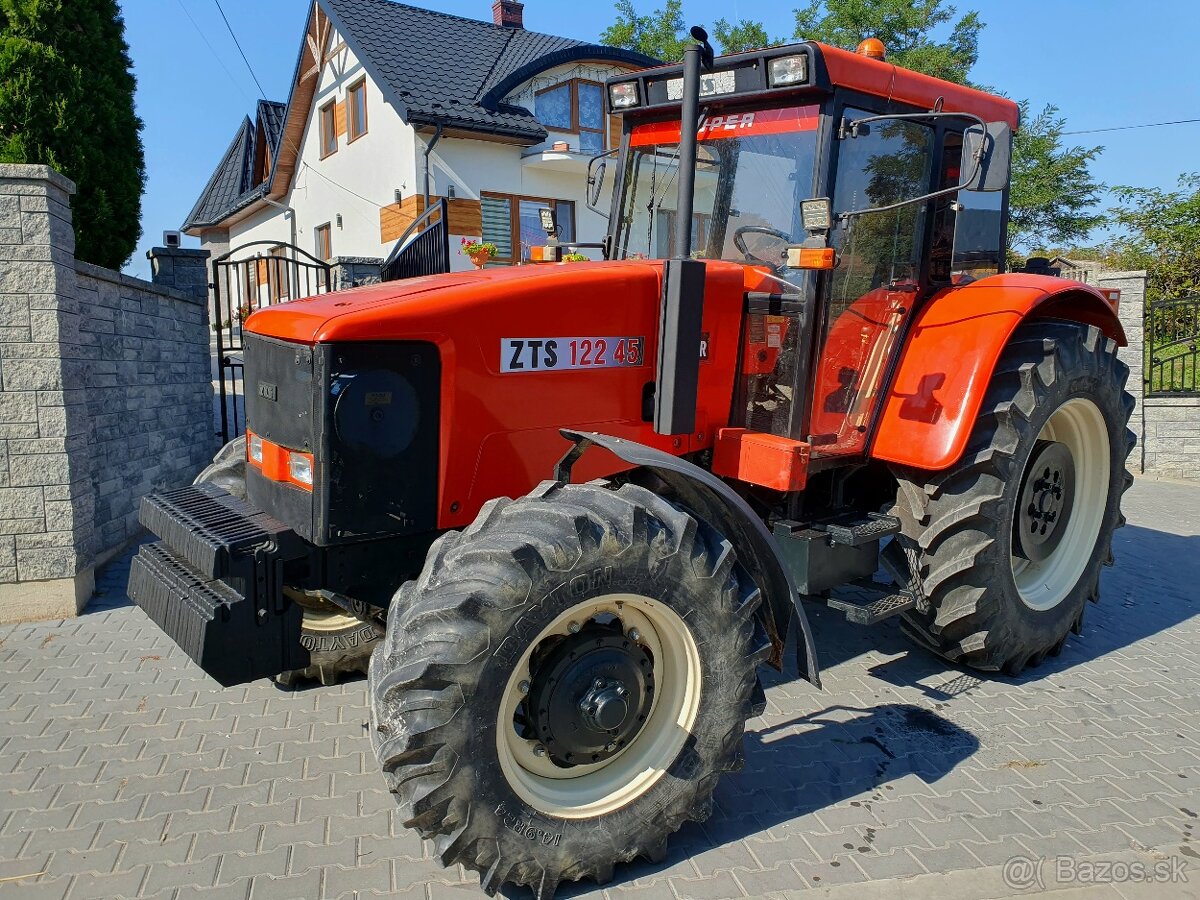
1007 544
564 683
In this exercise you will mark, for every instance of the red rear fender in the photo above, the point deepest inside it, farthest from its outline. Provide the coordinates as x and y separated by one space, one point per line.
952 350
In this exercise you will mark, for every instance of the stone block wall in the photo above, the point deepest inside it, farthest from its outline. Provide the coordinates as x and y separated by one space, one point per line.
1168 428
1171 446
354 271
148 392
104 394
1133 302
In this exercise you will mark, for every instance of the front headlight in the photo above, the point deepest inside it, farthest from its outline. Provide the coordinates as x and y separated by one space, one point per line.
300 468
788 70
254 449
623 95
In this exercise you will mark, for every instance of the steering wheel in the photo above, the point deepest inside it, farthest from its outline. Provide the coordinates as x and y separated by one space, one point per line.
757 229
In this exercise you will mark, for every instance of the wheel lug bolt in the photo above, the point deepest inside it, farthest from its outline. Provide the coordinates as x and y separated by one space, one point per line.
539 750
634 634
523 687
573 627
611 746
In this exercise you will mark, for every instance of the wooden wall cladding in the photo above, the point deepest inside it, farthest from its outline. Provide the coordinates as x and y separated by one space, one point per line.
466 217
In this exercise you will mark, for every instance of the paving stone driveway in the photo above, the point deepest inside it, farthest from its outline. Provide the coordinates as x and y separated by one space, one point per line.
125 773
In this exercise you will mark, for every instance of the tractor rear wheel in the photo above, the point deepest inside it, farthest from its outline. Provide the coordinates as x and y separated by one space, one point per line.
337 643
564 683
1007 544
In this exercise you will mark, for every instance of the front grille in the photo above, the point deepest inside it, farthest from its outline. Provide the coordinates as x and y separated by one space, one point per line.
280 398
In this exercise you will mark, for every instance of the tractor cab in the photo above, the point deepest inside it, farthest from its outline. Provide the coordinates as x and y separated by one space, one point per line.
839 181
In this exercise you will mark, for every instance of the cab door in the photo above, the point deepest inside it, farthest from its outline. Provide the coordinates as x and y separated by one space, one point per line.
880 278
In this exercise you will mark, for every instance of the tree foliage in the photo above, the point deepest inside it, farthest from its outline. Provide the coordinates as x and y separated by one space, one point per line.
660 34
734 37
1053 192
66 100
907 28
1162 235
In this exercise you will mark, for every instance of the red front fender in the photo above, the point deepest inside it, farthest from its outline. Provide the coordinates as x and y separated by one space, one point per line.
952 350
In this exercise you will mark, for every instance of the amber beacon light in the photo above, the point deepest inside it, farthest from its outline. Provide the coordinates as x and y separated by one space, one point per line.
872 48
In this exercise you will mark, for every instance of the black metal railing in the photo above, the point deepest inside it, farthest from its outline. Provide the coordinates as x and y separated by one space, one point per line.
1172 347
423 249
247 278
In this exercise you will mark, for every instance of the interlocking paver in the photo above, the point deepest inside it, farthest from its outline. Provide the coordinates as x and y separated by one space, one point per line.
127 776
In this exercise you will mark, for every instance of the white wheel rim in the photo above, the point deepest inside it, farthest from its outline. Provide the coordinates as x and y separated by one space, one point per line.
585 791
1079 425
321 615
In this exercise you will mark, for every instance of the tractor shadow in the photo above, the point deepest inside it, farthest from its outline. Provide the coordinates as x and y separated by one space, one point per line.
806 764
1153 587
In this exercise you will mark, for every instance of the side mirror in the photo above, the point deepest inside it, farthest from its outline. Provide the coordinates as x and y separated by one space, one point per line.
596 180
986 156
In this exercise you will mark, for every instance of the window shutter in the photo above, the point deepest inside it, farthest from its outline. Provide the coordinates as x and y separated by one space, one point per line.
497 224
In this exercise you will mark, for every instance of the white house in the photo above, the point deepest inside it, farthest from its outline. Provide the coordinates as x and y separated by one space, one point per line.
391 102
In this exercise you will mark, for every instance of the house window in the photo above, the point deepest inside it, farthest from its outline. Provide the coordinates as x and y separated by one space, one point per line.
575 106
356 104
279 274
328 129
513 223
324 240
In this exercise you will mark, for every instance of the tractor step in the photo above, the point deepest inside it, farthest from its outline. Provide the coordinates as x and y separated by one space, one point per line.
852 533
875 610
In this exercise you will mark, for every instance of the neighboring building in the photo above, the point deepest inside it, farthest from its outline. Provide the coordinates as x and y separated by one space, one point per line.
386 96
1086 270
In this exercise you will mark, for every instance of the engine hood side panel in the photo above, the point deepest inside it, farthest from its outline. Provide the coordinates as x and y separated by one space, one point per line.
503 400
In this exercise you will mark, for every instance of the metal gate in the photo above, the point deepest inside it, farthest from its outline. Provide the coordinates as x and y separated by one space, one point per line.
1172 347
424 248
248 278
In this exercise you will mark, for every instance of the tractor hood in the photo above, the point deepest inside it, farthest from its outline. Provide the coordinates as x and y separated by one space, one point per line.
427 307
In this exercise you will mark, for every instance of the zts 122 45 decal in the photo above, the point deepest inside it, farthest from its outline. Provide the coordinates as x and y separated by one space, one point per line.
555 354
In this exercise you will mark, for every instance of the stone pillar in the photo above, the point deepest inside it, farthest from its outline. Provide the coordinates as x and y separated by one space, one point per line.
1132 311
46 533
183 270
352 271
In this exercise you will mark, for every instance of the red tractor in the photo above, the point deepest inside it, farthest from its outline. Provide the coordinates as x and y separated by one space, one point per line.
801 365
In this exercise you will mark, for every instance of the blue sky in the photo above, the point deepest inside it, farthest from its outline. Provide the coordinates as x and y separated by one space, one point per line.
1104 63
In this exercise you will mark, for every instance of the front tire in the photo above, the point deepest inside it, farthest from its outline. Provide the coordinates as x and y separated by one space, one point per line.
564 684
1007 544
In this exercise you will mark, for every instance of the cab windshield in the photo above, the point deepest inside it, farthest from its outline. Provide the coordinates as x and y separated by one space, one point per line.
753 168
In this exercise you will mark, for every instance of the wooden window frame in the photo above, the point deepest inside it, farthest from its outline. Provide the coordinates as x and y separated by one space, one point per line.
279 274
576 126
514 223
324 253
360 85
327 110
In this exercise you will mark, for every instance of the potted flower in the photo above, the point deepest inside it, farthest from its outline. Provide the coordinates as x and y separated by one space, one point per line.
479 251
575 256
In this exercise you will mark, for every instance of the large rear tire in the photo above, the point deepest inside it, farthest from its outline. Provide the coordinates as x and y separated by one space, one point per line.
1008 543
338 644
565 682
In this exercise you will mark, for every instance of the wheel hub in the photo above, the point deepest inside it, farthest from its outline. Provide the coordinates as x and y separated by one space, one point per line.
590 696
1045 502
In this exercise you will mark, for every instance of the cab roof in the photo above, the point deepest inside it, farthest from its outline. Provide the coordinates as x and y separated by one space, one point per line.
828 68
